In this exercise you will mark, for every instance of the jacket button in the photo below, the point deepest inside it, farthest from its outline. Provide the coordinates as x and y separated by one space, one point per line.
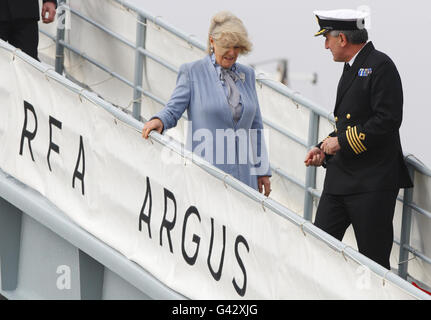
349 127
348 116
336 119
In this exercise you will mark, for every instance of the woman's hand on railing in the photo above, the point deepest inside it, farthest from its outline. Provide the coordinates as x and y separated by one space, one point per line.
264 182
154 124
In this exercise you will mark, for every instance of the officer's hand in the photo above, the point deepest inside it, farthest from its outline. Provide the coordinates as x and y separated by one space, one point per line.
48 7
330 146
154 124
314 157
264 182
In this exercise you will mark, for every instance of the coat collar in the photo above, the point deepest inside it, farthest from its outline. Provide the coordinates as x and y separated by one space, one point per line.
219 87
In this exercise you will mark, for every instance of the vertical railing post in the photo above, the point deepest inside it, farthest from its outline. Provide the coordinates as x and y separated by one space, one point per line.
91 277
61 26
10 244
139 66
406 226
310 176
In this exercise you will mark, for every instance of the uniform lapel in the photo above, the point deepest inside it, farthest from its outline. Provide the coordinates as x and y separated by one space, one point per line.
347 79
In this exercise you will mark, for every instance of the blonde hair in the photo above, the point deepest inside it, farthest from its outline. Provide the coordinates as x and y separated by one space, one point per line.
227 30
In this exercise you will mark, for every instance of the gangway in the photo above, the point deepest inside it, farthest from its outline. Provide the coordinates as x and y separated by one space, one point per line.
91 255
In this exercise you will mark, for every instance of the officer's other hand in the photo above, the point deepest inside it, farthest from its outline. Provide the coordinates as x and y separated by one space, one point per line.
264 182
154 124
48 12
314 157
330 146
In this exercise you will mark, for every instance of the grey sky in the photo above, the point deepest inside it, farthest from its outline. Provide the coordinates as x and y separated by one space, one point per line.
284 29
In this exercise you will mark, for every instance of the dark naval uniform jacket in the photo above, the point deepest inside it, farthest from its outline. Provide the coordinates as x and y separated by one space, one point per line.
20 9
19 24
368 115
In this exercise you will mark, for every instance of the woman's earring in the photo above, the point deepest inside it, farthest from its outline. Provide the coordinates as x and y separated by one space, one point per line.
212 50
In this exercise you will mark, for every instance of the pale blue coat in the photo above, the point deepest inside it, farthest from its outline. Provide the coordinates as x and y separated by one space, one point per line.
200 91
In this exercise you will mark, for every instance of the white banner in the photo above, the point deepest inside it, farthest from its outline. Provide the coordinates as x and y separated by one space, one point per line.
191 231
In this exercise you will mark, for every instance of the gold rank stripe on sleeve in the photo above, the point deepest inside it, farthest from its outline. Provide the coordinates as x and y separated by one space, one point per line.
354 141
359 138
349 139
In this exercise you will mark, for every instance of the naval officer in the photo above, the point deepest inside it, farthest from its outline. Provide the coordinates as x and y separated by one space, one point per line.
18 22
363 158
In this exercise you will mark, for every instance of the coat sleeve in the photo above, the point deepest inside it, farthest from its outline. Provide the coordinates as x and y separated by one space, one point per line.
387 108
260 152
179 101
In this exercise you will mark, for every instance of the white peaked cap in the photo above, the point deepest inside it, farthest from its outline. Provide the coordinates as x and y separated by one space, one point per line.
341 14
342 19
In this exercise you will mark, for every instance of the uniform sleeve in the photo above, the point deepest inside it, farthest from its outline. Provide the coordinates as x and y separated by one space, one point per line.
258 142
179 101
387 108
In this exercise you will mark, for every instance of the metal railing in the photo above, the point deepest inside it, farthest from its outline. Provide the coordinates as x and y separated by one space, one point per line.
316 112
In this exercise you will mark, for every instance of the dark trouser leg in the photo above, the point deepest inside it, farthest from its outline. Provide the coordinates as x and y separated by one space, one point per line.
372 214
25 35
332 216
4 30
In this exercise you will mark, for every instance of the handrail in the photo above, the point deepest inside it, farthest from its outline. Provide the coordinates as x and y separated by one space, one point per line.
316 111
411 160
251 193
165 25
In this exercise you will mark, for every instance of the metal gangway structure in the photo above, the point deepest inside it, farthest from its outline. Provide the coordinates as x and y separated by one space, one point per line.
124 60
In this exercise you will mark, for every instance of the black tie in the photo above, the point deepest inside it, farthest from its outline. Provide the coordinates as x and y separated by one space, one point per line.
346 68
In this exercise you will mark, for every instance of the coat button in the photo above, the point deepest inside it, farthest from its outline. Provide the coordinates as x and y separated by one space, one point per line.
336 119
348 116
349 127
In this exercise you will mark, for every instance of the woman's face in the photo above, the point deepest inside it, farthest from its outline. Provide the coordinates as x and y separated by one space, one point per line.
225 57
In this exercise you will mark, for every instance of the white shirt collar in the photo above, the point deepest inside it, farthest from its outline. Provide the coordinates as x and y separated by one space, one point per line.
354 58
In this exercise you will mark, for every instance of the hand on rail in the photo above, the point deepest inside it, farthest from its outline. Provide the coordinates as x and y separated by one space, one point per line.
264 182
154 124
48 7
315 157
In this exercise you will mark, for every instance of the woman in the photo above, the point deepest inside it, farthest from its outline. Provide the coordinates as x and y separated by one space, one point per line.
222 106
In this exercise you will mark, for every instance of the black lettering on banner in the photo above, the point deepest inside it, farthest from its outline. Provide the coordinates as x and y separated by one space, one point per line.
168 225
52 145
25 133
216 275
240 291
142 215
196 239
76 173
